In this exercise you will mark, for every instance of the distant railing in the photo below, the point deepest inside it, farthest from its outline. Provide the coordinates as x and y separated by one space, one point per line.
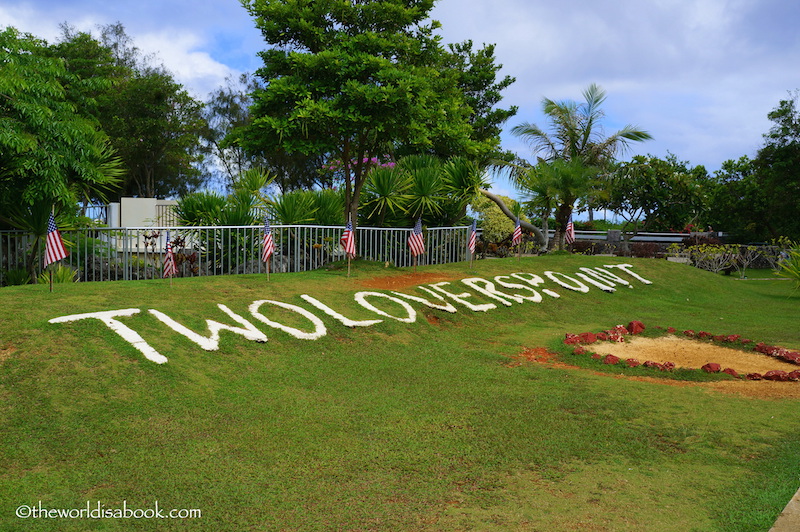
103 254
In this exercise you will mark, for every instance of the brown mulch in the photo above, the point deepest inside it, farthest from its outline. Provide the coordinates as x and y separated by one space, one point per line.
688 354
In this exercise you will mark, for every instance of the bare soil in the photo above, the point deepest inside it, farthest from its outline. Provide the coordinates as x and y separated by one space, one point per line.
688 354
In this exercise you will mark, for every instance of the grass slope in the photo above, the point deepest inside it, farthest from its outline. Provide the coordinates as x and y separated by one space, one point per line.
396 426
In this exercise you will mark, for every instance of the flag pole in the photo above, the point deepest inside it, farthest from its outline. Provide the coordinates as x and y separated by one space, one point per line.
269 262
50 270
348 265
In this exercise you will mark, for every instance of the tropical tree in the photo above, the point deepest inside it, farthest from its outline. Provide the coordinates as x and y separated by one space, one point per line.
656 194
777 165
351 79
575 136
153 124
48 151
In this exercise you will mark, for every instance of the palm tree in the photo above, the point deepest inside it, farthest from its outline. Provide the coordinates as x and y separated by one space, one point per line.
576 131
576 138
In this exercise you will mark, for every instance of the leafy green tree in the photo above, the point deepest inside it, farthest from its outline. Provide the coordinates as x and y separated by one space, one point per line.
228 108
737 204
778 169
156 126
757 200
50 155
477 73
654 194
153 123
48 151
350 80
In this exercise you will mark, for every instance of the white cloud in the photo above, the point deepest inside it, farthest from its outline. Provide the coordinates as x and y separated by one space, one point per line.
184 55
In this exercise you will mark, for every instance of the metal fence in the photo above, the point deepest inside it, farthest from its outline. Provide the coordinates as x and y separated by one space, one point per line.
103 254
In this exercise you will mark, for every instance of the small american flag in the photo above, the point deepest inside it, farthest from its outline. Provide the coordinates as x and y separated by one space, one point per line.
170 269
569 236
268 247
516 238
415 240
54 247
348 240
473 237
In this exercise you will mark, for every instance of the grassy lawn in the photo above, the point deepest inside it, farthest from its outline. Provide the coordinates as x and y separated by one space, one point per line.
395 426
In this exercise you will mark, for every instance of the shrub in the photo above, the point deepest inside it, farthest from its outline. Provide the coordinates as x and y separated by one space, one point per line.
15 277
61 274
645 249
790 266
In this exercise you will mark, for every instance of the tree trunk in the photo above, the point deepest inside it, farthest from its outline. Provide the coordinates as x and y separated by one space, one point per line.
537 233
563 213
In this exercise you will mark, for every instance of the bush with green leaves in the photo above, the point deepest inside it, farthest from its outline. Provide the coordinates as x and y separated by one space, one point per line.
789 266
15 277
58 274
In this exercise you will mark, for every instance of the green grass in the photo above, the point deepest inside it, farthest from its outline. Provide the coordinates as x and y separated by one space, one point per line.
397 426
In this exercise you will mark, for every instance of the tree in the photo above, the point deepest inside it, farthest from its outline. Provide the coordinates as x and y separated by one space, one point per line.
156 126
575 137
153 123
758 199
778 169
656 194
475 73
351 79
50 155
737 204
49 152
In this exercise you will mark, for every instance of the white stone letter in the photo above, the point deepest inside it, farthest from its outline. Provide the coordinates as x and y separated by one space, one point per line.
211 343
319 326
128 334
626 268
361 299
461 298
501 280
347 322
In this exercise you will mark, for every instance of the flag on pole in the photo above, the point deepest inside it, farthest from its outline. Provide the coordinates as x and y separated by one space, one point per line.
268 245
54 247
516 238
415 240
170 268
569 236
473 237
348 240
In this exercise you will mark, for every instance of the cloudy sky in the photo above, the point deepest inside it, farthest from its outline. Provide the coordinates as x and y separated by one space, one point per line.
699 75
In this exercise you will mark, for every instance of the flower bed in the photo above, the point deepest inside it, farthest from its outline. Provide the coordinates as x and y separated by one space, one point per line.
619 333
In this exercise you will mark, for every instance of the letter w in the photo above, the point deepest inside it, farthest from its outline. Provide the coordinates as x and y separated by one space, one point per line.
211 343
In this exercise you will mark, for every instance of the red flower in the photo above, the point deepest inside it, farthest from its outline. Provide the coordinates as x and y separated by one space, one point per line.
610 359
711 367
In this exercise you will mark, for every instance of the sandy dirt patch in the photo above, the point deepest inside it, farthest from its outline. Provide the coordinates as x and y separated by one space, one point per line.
689 354
686 353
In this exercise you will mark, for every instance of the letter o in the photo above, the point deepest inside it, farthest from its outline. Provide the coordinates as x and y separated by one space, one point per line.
319 326
361 299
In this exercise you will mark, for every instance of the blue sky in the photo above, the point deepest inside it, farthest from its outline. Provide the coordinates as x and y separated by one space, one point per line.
699 75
